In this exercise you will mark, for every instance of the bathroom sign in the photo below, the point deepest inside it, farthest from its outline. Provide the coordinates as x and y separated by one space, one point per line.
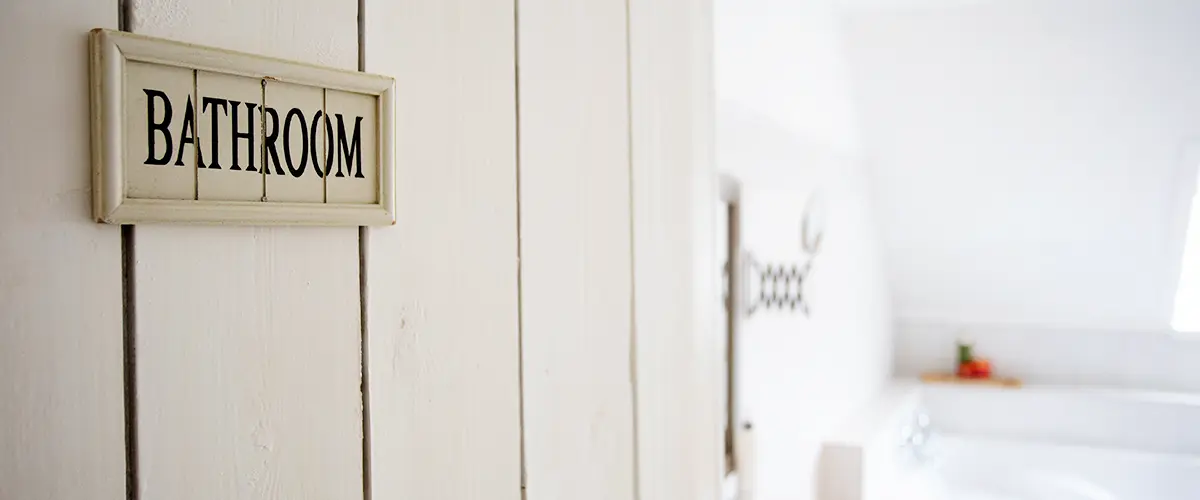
182 133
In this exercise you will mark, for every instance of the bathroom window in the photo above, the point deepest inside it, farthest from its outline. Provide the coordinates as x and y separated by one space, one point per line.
1187 297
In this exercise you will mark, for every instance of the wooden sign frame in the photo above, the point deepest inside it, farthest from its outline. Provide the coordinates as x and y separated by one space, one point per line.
112 50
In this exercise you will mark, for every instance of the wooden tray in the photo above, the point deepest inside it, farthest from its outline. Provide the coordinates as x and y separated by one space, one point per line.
949 378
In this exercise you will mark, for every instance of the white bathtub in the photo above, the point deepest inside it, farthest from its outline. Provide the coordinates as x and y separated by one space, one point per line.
1028 444
973 468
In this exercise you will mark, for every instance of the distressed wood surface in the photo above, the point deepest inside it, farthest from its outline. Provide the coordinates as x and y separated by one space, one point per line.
707 295
442 316
575 250
61 423
249 390
248 339
140 80
677 301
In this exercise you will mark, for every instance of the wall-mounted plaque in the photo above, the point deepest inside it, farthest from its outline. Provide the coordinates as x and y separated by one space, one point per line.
183 133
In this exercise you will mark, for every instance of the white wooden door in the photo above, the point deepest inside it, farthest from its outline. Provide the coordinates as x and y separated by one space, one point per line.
488 346
61 430
248 339
442 307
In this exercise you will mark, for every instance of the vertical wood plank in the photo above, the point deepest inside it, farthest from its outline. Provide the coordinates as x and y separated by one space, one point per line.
708 351
676 300
61 421
248 338
575 250
442 298
247 391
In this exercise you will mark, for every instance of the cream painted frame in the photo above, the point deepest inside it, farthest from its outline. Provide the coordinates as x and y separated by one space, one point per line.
110 50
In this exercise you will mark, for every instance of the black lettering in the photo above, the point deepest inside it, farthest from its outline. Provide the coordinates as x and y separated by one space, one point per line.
328 145
214 130
247 136
187 133
354 149
151 127
269 143
287 142
312 139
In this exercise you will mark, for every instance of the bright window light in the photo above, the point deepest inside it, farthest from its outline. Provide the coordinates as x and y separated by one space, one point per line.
1187 298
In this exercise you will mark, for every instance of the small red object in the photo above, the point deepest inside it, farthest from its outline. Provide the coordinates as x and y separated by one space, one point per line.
983 368
965 370
977 368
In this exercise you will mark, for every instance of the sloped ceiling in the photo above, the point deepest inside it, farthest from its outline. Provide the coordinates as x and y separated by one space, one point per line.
1031 161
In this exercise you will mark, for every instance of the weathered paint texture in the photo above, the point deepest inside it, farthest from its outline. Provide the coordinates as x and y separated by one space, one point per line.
502 352
676 275
60 274
442 337
248 338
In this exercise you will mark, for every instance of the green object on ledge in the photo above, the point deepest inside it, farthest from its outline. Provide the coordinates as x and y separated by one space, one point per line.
964 353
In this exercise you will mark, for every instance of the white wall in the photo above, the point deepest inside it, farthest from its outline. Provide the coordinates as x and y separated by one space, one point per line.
1030 157
782 62
60 274
443 331
786 127
504 357
801 377
675 271
576 258
1130 359
1034 163
248 339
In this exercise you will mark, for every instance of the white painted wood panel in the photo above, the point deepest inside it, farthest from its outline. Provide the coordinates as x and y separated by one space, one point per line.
249 338
249 390
676 300
707 290
61 423
311 31
442 301
575 250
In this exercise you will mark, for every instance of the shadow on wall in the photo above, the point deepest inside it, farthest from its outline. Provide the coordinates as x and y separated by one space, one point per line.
760 150
801 376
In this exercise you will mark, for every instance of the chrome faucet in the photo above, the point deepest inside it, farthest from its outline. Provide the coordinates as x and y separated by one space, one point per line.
915 436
